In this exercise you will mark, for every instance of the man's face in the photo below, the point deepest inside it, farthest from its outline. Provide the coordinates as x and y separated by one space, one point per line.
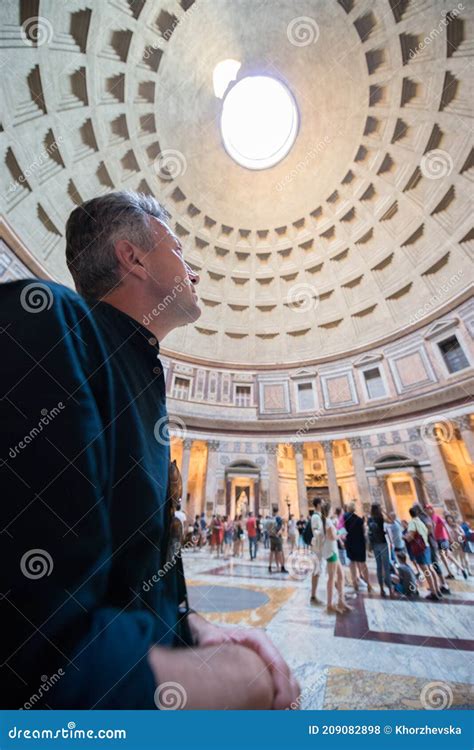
170 276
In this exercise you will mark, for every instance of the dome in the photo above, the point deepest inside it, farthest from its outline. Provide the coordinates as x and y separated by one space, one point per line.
358 233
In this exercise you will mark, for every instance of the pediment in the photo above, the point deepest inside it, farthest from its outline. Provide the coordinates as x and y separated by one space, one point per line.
440 327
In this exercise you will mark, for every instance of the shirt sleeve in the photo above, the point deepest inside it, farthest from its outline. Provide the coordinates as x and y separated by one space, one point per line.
56 548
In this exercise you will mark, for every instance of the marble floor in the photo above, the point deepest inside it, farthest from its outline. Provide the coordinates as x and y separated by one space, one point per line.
384 654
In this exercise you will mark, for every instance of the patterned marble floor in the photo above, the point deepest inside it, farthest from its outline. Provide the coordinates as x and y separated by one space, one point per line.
384 654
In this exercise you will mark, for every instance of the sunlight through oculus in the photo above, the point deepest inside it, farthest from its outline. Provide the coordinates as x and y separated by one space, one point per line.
259 122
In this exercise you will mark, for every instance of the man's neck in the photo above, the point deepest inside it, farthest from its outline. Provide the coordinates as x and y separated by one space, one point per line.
157 321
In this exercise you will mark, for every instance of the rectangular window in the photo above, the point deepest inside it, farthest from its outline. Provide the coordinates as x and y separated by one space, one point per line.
305 397
374 383
181 388
453 355
243 395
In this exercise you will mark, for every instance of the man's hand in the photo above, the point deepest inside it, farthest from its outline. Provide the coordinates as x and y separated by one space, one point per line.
230 677
286 689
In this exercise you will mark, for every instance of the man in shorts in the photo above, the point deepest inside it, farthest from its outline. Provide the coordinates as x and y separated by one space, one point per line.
317 548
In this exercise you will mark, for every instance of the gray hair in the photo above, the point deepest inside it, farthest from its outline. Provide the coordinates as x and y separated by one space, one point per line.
94 227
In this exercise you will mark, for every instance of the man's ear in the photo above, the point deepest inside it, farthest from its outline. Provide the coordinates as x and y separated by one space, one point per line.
129 259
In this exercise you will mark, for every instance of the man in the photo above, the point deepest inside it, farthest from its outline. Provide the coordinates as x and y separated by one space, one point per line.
267 522
417 537
442 535
252 535
181 515
317 548
89 586
300 525
395 533
405 579
276 544
435 562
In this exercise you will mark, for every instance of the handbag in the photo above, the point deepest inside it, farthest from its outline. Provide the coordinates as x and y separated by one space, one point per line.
417 544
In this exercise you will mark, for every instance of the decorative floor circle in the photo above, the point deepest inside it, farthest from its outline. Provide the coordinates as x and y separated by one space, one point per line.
224 598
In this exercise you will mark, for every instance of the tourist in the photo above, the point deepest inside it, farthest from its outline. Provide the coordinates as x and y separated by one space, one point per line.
405 579
356 547
100 468
181 515
276 545
291 533
461 535
418 572
267 522
300 526
259 528
316 530
203 527
341 535
228 535
238 537
217 535
417 538
443 537
379 546
421 513
334 567
252 535
395 534
197 536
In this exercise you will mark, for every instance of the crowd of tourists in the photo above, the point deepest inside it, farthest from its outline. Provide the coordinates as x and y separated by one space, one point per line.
428 550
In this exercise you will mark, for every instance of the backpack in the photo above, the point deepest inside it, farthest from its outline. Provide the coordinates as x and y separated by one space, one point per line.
308 533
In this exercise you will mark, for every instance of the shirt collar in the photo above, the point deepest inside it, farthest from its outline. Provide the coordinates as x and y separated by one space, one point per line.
133 331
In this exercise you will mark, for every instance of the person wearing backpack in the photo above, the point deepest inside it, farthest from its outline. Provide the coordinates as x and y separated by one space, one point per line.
313 535
417 538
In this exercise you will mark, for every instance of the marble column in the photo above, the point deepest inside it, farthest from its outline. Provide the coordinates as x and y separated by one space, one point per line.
386 493
444 487
187 445
359 471
464 426
300 480
334 494
273 484
210 495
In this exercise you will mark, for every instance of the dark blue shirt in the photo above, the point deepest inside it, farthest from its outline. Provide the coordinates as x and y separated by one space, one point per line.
84 513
